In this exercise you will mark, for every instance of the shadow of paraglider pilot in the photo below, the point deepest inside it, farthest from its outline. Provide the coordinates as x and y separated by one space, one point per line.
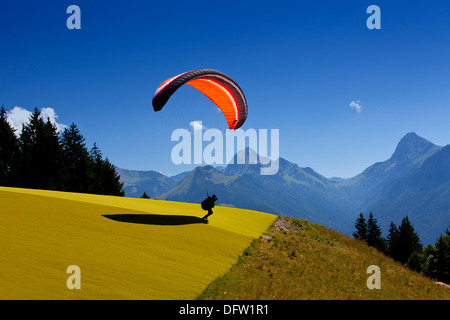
166 220
155 219
207 205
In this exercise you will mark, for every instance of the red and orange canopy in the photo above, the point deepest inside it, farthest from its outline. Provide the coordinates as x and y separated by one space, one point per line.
217 86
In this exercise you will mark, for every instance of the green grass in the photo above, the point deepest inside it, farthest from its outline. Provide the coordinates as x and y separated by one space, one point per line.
296 259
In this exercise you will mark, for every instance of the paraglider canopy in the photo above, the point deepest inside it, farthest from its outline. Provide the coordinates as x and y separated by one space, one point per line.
223 91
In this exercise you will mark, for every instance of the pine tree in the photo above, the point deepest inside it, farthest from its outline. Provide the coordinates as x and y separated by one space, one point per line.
95 156
28 162
409 240
9 149
145 195
374 238
78 166
361 228
50 157
105 178
393 242
439 258
111 180
40 160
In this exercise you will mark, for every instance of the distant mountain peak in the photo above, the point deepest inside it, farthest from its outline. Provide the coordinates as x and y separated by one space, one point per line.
245 161
246 156
411 134
413 145
412 137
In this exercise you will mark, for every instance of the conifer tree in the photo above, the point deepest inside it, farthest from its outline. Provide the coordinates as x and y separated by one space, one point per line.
439 258
95 156
105 178
9 149
409 240
78 165
50 157
393 242
374 238
111 180
28 160
42 158
361 228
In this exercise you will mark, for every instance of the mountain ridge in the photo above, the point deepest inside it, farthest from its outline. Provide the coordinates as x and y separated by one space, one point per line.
137 182
304 193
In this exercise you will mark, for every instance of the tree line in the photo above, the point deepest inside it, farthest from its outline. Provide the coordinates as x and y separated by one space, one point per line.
404 245
41 158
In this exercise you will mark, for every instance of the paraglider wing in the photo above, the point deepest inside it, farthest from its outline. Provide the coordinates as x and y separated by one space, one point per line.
223 91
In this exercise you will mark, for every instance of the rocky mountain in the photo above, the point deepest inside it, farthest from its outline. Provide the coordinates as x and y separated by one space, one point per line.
366 192
414 181
293 191
410 153
422 193
152 182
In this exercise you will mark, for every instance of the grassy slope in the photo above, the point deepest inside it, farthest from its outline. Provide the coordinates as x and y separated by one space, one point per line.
295 259
43 232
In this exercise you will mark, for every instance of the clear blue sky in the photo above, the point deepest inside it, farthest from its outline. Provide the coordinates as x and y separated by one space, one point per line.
299 63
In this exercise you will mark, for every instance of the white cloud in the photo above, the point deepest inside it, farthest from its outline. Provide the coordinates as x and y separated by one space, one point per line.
197 125
50 114
356 105
18 116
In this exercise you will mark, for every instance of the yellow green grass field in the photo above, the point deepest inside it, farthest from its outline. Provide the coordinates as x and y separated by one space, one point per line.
126 248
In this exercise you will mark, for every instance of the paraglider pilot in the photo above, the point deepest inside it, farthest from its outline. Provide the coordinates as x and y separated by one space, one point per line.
208 204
